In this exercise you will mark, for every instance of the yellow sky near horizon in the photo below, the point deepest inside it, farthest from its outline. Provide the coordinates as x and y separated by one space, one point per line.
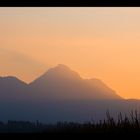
96 42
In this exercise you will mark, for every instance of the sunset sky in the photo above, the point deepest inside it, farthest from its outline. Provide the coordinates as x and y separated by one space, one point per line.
96 42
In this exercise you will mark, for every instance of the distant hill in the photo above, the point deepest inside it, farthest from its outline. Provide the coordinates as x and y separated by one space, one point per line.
60 83
60 94
11 88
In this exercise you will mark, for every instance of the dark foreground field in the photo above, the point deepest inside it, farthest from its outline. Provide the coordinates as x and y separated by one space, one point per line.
123 124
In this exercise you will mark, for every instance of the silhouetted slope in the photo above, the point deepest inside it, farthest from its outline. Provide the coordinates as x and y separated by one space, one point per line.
62 83
102 88
59 94
12 88
58 83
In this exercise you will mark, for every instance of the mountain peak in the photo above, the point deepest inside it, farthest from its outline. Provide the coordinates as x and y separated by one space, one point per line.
62 66
62 70
12 79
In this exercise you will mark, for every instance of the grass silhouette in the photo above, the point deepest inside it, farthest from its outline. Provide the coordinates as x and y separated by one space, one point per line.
123 124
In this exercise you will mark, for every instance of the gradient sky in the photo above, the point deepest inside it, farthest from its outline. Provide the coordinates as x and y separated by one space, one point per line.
96 42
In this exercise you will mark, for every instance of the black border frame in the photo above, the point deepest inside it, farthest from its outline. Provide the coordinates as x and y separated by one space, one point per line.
69 3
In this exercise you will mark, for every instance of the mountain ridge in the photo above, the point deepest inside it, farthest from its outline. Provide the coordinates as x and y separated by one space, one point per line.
45 103
58 83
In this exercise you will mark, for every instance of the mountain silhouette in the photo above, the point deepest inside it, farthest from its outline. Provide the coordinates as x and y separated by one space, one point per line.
11 88
61 83
60 94
58 83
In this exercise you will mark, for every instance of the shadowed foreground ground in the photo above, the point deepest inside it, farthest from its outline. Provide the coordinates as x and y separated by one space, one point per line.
123 124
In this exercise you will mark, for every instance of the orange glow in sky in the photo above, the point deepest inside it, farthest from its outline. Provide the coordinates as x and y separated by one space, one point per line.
96 42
